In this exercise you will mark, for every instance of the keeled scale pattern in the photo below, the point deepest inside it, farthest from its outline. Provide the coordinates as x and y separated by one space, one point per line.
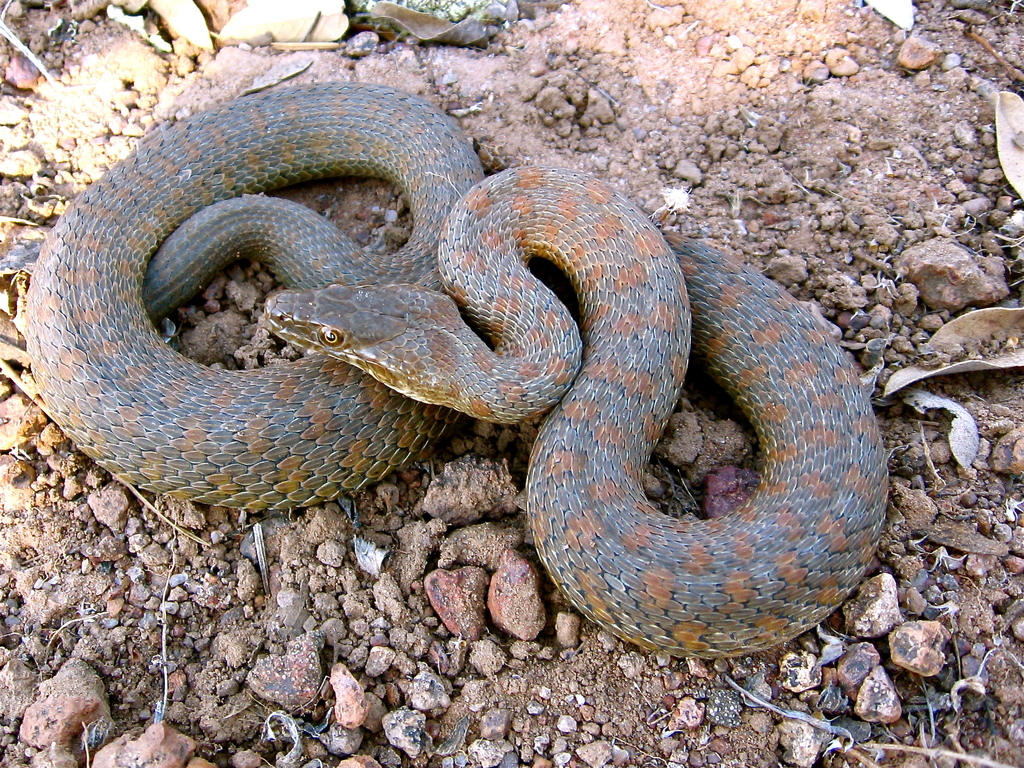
744 582
301 433
278 437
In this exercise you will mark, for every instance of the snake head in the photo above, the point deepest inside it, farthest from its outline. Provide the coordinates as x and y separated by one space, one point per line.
403 335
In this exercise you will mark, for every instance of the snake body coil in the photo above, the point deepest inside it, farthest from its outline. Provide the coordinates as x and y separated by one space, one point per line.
274 437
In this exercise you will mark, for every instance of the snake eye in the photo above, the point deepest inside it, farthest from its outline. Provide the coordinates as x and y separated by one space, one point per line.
330 337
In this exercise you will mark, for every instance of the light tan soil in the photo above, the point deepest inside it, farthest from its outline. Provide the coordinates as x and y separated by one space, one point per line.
842 174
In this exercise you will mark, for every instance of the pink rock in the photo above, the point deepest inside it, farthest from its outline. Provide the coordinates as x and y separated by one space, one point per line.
726 488
514 597
160 746
919 646
458 598
350 705
71 700
293 679
949 276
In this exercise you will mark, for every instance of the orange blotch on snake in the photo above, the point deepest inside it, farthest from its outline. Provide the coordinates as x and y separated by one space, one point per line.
637 536
522 205
769 334
605 491
606 227
529 178
598 192
660 585
478 201
772 625
689 633
581 531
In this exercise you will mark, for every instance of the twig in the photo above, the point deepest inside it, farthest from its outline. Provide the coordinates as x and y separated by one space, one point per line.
934 752
24 49
1011 70
161 708
16 220
821 725
149 505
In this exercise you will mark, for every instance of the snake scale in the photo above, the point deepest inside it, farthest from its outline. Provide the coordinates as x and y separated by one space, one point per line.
304 432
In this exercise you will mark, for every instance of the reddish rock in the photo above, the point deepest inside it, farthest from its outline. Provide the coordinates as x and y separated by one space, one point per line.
350 706
71 700
514 599
877 700
1008 453
949 276
160 746
686 715
855 665
359 761
110 506
22 73
918 53
458 598
726 488
919 646
293 679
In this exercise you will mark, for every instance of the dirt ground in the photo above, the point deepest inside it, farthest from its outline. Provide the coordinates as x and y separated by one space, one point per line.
811 153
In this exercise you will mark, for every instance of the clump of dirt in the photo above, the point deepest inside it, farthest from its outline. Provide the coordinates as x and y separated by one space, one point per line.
813 140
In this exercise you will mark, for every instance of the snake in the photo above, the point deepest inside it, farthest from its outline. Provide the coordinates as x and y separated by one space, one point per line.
310 430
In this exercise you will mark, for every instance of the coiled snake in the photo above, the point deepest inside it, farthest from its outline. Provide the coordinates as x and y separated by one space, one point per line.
304 432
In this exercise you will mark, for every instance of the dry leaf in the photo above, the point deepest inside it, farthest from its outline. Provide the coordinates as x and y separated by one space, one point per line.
295 21
1010 137
899 12
433 29
963 439
185 20
284 69
995 333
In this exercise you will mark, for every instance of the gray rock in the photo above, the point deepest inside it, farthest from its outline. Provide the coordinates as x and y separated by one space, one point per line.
427 693
405 729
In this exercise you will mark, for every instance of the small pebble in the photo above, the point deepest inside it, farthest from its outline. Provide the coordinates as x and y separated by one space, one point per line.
362 44
379 660
293 679
877 700
160 746
918 53
799 672
566 724
875 610
951 61
687 714
855 665
458 598
816 72
919 646
567 629
724 707
840 63
513 598
350 703
405 729
801 742
495 723
427 693
596 754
